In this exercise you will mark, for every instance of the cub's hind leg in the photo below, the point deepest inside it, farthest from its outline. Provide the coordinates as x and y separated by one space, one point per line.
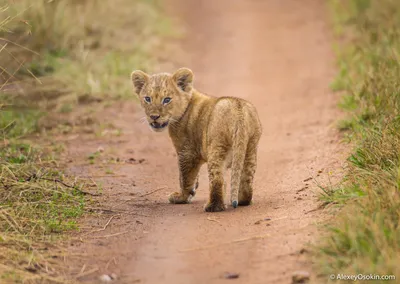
216 165
247 176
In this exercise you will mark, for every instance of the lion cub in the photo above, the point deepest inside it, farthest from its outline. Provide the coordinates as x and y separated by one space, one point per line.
222 132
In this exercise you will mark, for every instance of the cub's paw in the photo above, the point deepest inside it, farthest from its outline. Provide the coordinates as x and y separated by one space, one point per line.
234 203
244 202
193 192
214 207
178 198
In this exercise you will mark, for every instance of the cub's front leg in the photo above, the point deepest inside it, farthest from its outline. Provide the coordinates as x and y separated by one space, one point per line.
189 168
196 186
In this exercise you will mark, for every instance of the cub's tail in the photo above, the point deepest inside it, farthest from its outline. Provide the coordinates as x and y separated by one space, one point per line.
239 147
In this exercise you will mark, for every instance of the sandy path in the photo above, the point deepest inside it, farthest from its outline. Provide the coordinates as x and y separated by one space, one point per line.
275 54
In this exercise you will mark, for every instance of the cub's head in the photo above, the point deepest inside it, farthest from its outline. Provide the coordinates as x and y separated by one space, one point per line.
164 97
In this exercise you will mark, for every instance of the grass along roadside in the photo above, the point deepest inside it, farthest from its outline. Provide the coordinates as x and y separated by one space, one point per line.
78 51
56 55
37 204
365 237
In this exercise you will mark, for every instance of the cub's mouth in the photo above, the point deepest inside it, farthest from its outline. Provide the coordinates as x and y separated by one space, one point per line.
157 125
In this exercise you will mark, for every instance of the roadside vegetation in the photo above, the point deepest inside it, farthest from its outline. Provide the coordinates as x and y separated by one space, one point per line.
365 237
56 56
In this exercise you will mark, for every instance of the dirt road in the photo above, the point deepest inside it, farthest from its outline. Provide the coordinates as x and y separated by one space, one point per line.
276 54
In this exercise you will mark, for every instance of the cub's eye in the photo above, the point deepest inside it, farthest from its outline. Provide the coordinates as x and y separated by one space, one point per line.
166 101
147 99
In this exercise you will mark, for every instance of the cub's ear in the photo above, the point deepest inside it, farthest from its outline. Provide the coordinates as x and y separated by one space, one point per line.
139 79
183 78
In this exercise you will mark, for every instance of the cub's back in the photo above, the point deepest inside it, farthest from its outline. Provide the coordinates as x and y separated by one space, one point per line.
228 112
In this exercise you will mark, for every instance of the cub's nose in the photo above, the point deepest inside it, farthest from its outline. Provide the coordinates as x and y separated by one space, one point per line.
154 116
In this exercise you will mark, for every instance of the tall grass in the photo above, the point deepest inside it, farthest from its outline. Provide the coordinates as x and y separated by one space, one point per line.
86 47
365 238
53 56
35 204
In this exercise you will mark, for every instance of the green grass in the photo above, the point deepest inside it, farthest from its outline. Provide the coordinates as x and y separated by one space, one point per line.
365 237
16 123
36 193
80 55
56 55
38 203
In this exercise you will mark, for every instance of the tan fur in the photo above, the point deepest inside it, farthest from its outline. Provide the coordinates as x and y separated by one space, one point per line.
204 129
